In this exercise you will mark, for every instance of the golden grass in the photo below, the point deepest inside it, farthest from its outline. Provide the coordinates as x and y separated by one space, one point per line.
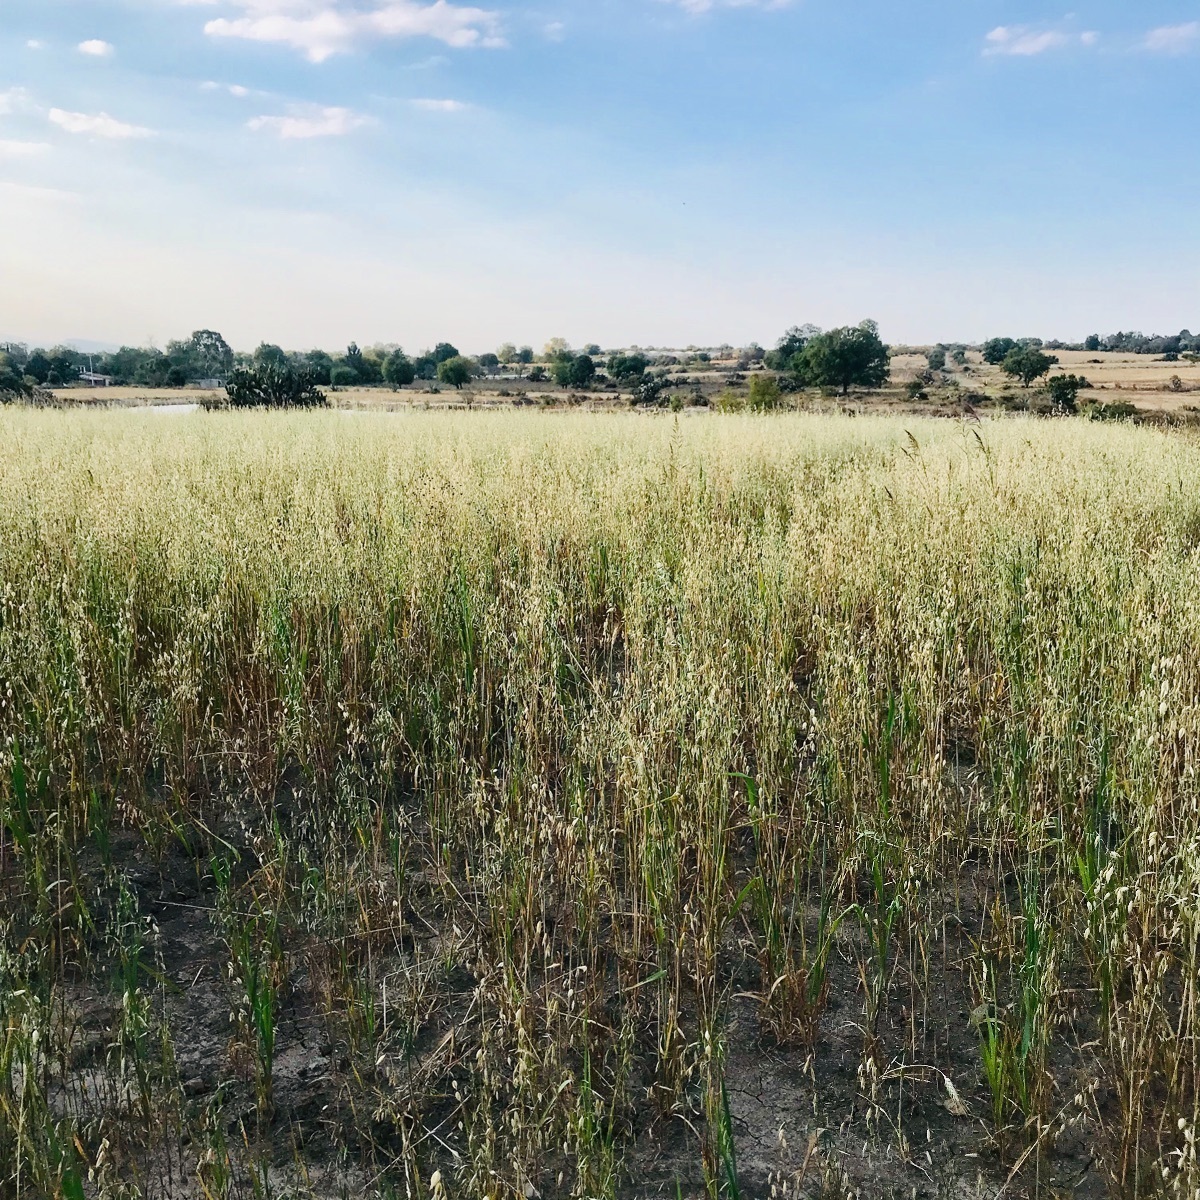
595 709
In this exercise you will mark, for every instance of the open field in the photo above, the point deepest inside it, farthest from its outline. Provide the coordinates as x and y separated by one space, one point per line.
1152 386
502 805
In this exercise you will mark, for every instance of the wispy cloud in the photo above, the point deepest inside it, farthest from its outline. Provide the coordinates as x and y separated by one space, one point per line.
703 6
95 48
315 122
97 124
9 150
442 106
234 89
1024 41
14 100
1173 39
320 29
34 44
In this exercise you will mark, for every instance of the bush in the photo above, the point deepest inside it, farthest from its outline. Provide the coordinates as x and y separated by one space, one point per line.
1063 391
274 385
649 390
764 393
340 377
12 383
937 360
1119 411
398 369
996 350
1027 363
456 371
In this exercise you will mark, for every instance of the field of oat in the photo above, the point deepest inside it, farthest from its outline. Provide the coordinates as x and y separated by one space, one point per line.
525 805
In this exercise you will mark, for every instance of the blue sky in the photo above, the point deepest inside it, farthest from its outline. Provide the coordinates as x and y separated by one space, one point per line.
619 171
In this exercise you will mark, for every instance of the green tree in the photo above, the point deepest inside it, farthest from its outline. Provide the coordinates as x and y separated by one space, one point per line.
789 346
153 370
507 353
490 363
1092 343
844 358
764 393
524 356
996 350
398 369
444 352
342 376
1064 390
627 366
273 385
581 370
269 355
937 359
1027 363
12 382
205 355
456 371
320 364
353 360
38 366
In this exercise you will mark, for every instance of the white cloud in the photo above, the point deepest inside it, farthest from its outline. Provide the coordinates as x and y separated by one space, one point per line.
95 48
554 31
22 149
14 100
1021 41
234 89
703 6
1173 39
34 44
442 106
322 28
312 122
98 125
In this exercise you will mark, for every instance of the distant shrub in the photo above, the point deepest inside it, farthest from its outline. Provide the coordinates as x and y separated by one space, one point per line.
649 390
937 360
273 385
1119 411
340 377
765 395
13 385
1063 391
456 371
996 350
1027 363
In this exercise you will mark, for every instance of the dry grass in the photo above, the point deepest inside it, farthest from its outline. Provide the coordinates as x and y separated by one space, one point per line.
482 799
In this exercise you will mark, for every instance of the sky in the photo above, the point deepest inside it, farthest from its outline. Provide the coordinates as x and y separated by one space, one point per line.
653 172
